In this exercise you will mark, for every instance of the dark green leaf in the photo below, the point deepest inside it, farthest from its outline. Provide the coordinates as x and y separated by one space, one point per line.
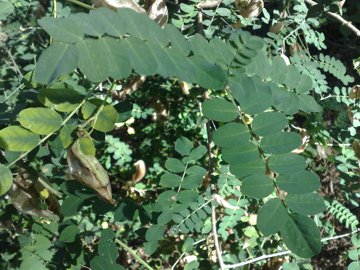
60 99
187 196
174 165
69 234
301 236
183 146
56 60
300 182
281 143
231 134
102 263
287 163
170 180
257 186
269 123
154 233
241 153
220 110
305 204
272 217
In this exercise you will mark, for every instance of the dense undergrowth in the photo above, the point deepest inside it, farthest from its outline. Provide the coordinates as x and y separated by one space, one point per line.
227 137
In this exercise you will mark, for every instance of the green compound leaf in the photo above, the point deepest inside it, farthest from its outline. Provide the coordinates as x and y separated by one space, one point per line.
170 180
40 120
301 236
231 134
56 60
269 123
281 143
174 165
257 186
241 153
183 146
305 204
287 163
6 179
60 99
219 109
272 217
300 182
69 234
17 139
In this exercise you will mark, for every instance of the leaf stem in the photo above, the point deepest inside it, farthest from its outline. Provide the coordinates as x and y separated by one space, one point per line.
133 253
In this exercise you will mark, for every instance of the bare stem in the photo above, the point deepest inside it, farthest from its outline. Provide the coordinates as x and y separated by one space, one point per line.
216 241
133 253
76 2
340 19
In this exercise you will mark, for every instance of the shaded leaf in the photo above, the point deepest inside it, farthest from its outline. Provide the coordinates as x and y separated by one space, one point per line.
40 120
281 143
287 163
305 204
15 138
6 179
257 186
269 123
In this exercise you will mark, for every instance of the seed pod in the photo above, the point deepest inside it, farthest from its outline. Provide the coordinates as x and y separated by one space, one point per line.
88 170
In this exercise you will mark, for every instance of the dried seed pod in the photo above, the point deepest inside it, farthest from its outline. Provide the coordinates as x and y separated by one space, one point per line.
158 12
88 170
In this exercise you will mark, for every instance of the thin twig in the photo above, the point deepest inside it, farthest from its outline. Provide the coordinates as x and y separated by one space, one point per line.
283 253
340 19
133 253
216 241
16 67
81 4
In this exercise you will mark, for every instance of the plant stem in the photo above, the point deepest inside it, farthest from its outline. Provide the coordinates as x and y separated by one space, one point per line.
133 253
216 240
76 2
340 19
